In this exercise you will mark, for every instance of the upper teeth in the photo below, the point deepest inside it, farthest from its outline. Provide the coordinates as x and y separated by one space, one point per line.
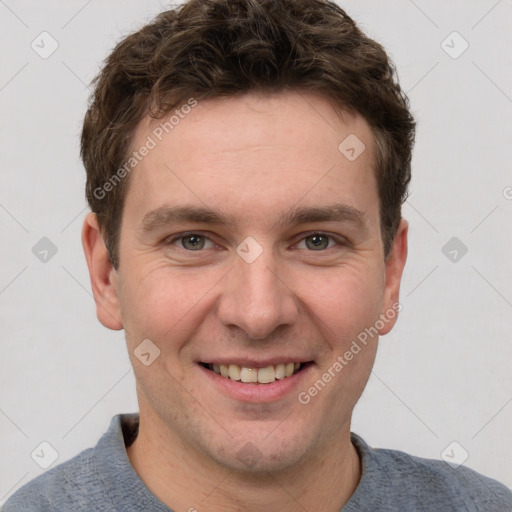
261 375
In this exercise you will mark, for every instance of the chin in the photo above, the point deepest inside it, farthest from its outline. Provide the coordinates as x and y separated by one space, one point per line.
261 452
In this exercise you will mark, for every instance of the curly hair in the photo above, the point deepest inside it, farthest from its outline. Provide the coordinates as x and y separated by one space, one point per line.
225 48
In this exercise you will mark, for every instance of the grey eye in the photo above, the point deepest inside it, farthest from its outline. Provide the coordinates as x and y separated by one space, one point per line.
192 242
317 242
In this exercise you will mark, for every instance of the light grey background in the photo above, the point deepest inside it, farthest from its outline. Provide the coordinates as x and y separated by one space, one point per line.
442 375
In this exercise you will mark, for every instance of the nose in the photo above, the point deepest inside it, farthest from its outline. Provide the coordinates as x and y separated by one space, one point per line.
257 298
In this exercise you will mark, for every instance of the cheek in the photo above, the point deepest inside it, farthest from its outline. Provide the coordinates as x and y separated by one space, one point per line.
159 301
345 300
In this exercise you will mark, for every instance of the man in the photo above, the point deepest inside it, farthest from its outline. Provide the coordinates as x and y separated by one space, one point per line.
246 165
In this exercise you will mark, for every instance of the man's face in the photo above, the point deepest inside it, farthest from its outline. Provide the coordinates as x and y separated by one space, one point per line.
288 267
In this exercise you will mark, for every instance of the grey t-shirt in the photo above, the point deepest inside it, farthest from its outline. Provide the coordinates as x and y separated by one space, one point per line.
102 479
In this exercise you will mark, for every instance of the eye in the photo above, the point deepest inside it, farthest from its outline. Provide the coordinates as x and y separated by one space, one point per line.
190 241
319 242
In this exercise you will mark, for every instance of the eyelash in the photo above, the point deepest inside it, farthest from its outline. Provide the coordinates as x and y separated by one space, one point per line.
340 241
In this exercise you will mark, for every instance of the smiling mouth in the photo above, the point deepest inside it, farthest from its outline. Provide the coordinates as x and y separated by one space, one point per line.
265 375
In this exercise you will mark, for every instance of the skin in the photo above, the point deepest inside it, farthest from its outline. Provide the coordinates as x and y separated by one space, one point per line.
293 300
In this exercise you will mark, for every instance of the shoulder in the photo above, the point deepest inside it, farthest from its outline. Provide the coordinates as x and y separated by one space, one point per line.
68 485
431 476
88 481
428 484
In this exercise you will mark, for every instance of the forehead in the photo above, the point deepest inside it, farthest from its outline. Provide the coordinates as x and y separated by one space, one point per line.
250 120
272 150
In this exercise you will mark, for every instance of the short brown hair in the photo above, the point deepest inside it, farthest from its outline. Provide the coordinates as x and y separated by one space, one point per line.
223 48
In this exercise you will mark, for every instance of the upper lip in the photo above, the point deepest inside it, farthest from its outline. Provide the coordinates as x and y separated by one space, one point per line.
256 363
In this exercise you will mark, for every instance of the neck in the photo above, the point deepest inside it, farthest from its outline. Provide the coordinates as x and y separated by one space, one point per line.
186 480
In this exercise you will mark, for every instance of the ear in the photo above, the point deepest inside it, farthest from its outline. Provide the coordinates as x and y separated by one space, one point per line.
394 267
103 275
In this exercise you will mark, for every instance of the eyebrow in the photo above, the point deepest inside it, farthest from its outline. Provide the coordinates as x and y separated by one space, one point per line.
165 215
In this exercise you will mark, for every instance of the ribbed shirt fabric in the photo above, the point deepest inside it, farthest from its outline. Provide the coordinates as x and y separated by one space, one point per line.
101 479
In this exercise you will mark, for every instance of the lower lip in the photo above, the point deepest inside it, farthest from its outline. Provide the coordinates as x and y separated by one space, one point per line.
257 393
